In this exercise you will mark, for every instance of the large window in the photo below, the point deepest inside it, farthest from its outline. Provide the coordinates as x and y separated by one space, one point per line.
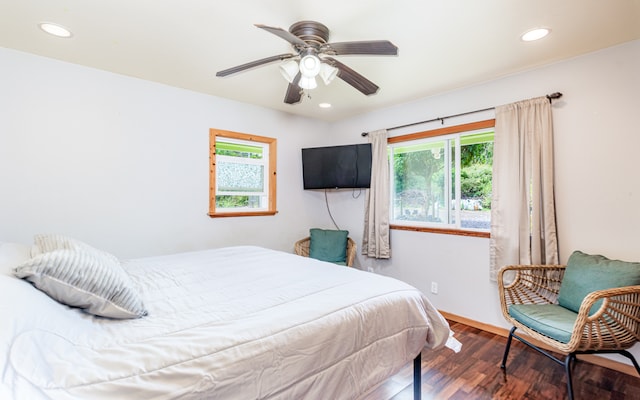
242 176
441 179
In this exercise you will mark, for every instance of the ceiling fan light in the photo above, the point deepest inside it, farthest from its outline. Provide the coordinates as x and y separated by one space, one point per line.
310 66
289 70
328 73
307 82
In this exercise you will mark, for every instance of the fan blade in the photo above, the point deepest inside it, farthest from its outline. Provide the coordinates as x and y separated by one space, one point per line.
253 64
353 78
370 47
286 35
294 93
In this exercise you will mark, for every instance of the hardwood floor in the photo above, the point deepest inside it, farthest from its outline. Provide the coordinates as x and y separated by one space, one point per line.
475 373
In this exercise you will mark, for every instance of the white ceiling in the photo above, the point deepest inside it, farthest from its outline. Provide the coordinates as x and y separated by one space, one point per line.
443 45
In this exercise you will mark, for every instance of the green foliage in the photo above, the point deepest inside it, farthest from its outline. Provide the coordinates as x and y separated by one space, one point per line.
236 153
480 153
418 182
475 183
232 201
240 150
414 170
419 178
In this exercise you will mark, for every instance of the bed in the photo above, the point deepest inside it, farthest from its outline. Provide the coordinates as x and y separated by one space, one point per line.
231 323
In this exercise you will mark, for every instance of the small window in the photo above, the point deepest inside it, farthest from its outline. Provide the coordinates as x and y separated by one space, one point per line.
242 177
441 179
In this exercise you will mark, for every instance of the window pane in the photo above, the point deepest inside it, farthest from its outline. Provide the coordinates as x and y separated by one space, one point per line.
238 150
452 184
442 178
476 159
238 201
419 191
234 177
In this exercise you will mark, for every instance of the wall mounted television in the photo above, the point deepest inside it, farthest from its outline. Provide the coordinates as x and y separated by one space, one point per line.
337 167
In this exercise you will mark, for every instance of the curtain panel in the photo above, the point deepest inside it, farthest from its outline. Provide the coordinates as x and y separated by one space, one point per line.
523 221
375 239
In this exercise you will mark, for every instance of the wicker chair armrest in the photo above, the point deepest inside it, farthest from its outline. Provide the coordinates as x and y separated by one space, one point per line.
523 281
301 247
529 284
540 268
352 249
616 323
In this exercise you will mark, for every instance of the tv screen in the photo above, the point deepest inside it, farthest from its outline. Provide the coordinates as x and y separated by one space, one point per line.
337 167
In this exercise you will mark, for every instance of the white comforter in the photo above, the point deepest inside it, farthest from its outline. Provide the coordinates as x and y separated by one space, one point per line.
231 323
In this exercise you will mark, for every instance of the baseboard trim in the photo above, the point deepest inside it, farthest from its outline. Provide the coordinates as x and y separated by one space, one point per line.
593 359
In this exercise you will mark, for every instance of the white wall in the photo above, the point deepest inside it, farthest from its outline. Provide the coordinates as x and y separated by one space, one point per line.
597 186
123 163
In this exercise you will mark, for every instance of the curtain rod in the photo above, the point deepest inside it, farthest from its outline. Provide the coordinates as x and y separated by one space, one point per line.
551 96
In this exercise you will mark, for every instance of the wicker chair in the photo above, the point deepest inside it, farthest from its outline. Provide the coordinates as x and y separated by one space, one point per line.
613 328
301 248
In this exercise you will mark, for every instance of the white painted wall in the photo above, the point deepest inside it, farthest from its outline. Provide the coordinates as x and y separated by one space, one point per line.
123 163
597 186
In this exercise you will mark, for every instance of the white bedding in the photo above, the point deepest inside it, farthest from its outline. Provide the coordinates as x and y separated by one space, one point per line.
231 323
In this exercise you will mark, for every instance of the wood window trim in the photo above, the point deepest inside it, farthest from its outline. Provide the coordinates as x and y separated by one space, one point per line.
271 142
445 231
472 126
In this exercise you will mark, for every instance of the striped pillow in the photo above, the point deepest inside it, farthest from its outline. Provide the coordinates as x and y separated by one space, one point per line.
45 243
84 279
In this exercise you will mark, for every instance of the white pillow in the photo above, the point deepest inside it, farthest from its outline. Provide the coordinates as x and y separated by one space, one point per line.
84 279
12 255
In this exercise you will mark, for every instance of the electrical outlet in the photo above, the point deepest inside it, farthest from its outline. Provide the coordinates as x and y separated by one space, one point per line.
434 287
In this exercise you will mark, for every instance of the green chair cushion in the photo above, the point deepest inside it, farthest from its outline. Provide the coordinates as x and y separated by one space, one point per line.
328 245
550 320
587 273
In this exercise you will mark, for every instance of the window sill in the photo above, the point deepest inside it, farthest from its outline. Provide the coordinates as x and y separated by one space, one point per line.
444 231
242 214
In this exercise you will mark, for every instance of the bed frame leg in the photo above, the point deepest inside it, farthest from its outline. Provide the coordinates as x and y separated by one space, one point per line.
417 377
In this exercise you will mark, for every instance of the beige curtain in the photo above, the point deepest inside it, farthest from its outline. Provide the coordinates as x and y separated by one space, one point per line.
523 221
375 241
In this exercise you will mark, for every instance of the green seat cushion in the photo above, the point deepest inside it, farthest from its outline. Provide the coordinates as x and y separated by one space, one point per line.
328 245
587 273
551 320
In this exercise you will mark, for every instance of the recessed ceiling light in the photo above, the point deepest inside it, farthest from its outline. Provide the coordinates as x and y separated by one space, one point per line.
55 29
324 105
535 34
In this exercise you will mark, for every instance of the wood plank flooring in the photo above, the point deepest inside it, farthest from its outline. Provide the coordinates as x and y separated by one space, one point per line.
475 373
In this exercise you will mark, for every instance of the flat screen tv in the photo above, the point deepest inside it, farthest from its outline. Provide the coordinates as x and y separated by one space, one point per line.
337 167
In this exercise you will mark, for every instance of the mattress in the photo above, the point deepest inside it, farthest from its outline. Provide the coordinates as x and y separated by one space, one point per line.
231 323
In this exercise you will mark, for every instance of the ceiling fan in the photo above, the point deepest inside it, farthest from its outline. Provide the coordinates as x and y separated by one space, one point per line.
312 57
